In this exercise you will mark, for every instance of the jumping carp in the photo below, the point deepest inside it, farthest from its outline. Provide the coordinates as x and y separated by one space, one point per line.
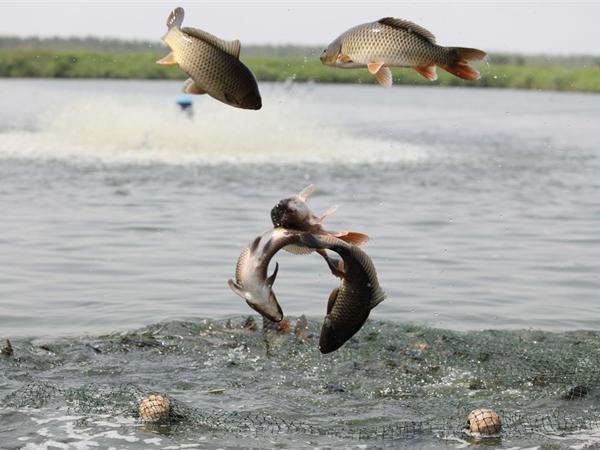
251 280
293 213
359 292
213 64
391 42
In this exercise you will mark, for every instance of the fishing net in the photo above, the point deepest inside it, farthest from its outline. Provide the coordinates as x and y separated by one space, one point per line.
388 383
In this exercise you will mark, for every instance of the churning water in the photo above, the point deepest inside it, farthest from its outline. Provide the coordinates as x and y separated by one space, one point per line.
120 212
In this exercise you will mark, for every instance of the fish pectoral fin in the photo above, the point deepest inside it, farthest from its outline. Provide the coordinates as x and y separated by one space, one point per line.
344 58
336 265
352 237
384 77
271 279
298 249
236 288
327 213
428 72
230 47
306 192
167 60
190 87
374 67
332 298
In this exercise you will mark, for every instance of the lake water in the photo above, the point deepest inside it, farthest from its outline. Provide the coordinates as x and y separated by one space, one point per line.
120 213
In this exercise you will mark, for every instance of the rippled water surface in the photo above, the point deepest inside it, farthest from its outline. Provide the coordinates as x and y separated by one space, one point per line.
120 212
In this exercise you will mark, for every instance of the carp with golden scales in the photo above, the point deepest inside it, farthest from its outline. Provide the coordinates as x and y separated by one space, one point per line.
391 42
212 63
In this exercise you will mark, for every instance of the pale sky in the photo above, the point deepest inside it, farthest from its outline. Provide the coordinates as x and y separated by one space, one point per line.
510 26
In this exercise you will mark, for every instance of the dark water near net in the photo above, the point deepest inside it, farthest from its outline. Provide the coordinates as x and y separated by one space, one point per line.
391 386
119 212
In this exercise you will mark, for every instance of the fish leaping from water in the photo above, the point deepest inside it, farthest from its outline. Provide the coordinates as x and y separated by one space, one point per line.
212 63
293 213
351 302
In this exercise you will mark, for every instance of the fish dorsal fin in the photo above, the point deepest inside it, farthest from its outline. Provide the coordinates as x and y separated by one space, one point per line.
230 47
175 19
327 213
306 192
409 26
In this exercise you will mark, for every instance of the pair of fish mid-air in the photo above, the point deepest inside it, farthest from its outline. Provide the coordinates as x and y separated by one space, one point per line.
214 67
298 230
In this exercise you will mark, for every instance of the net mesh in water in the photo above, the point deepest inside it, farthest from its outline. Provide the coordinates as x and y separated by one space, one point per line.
124 400
408 381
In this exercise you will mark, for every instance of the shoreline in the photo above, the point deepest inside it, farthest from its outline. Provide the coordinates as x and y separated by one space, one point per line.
66 64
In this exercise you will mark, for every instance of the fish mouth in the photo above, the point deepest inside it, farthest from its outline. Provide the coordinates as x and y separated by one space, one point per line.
251 101
330 340
329 347
276 316
328 61
278 213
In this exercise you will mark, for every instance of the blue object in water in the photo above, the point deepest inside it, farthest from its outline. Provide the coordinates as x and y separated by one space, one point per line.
184 100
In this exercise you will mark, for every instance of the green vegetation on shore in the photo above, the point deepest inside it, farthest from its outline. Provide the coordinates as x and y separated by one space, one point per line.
506 72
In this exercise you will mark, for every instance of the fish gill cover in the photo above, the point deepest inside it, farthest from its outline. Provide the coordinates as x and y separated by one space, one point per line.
396 384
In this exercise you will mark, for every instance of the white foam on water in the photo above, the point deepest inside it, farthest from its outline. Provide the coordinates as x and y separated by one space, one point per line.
56 419
85 438
584 438
146 130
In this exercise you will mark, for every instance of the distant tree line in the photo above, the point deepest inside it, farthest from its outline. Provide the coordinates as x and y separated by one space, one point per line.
94 44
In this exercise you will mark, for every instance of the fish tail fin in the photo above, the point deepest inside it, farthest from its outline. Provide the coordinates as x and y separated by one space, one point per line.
352 237
461 57
175 19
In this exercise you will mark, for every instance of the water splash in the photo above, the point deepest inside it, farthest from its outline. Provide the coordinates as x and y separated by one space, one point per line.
140 130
